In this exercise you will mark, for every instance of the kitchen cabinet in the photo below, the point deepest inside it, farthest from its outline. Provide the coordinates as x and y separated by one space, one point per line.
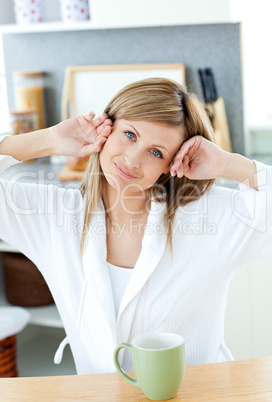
133 14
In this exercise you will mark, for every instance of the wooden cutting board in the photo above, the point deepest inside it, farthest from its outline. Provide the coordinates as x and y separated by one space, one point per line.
70 175
220 123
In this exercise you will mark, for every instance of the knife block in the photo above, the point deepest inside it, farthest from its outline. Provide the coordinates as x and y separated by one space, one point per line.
220 124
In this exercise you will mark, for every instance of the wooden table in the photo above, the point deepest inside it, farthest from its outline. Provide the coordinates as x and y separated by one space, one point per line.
243 380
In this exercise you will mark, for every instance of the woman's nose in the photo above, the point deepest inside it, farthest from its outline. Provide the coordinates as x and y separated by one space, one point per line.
133 159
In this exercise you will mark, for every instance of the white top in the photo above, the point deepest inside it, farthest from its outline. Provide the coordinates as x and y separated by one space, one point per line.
184 292
119 277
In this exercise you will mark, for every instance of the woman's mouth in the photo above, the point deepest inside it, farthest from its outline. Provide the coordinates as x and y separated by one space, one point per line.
123 172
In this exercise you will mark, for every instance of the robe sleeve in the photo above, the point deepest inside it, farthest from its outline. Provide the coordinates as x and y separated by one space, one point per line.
6 160
24 214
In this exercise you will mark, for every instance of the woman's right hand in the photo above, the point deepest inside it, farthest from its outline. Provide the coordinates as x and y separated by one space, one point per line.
81 136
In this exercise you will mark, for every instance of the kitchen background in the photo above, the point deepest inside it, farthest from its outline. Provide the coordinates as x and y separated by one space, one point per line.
229 37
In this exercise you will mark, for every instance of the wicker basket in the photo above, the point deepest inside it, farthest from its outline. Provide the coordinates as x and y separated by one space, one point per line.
8 361
24 284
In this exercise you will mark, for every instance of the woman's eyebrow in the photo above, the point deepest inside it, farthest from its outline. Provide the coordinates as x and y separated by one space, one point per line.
137 132
154 145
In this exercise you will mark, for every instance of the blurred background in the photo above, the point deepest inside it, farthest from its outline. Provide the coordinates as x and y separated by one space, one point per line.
225 48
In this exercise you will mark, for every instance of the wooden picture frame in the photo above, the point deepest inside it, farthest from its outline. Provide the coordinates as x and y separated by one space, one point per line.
90 88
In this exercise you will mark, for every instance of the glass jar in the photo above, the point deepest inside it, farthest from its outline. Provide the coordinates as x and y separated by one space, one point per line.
23 121
29 93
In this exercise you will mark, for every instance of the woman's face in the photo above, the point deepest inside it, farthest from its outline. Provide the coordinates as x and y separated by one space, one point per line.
138 152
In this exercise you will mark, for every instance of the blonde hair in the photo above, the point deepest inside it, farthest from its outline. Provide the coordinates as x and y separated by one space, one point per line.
154 100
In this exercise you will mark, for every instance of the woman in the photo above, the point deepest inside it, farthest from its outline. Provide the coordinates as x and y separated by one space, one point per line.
146 244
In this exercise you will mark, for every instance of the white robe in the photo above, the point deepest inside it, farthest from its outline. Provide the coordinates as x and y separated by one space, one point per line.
184 293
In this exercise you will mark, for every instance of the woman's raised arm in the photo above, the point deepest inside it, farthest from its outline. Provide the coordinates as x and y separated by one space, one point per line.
79 136
200 159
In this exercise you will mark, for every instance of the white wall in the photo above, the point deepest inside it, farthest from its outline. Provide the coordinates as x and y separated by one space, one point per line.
248 318
6 11
129 13
257 66
4 114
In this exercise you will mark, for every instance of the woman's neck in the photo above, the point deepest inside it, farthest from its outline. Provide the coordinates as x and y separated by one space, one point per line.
135 206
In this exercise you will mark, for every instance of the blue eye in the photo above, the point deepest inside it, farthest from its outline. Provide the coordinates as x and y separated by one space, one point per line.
157 154
154 152
129 135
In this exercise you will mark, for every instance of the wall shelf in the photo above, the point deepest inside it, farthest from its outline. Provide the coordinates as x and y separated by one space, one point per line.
105 14
47 27
45 316
7 247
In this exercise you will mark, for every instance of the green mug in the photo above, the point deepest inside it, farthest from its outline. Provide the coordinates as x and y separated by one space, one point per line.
159 364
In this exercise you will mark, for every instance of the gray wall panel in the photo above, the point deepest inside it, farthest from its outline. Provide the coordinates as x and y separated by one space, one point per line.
198 46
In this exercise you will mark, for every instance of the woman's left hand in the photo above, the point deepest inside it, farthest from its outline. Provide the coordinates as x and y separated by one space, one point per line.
198 159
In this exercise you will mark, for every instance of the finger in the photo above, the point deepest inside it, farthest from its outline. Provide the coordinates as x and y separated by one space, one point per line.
183 167
185 162
107 123
89 116
99 120
180 167
180 171
177 162
173 172
95 147
184 149
180 155
105 132
175 166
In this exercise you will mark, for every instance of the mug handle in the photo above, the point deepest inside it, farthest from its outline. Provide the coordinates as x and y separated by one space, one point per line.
119 368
